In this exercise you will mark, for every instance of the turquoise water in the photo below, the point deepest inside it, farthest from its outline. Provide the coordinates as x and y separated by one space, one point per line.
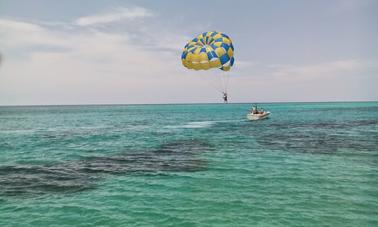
313 164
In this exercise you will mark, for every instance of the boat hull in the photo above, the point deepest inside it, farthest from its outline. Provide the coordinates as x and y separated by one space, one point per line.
255 117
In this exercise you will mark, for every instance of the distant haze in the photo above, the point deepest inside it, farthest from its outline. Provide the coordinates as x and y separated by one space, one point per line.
105 52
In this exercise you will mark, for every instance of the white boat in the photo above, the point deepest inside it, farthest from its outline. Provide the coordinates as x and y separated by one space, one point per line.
258 116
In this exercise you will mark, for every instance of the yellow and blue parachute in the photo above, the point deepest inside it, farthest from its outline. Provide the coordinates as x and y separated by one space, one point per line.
209 50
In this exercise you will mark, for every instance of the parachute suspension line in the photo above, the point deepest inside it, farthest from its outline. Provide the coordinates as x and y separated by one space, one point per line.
228 78
221 83
225 79
215 82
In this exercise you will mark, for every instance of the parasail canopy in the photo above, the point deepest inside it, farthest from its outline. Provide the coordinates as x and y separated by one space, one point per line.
209 50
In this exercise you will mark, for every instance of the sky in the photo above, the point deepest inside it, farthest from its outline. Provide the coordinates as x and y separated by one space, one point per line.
128 52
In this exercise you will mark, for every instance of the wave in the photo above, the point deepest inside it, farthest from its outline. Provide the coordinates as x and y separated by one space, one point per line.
194 124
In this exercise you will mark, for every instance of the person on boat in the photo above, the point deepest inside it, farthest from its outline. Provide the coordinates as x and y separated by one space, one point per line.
254 110
225 99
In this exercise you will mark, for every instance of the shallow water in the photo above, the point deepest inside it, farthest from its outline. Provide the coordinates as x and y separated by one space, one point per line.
309 164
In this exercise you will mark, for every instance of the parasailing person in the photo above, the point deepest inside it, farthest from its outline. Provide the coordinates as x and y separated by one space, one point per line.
225 99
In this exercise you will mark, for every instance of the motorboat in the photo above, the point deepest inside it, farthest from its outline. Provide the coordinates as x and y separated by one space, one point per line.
258 116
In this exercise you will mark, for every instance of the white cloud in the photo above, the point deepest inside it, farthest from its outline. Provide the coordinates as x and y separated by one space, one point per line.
17 35
95 67
7 24
116 15
325 69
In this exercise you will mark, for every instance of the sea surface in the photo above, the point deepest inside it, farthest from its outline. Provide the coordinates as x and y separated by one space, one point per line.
309 164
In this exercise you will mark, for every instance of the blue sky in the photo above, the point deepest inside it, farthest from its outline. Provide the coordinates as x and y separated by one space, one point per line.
90 52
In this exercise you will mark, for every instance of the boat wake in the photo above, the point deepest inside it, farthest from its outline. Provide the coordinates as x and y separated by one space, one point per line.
194 124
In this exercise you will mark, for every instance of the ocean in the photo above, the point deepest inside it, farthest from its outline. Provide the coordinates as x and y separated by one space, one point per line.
309 164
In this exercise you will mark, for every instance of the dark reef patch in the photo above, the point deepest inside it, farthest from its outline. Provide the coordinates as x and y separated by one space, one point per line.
180 156
322 137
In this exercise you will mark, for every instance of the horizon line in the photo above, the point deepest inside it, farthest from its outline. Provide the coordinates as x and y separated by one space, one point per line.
187 103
